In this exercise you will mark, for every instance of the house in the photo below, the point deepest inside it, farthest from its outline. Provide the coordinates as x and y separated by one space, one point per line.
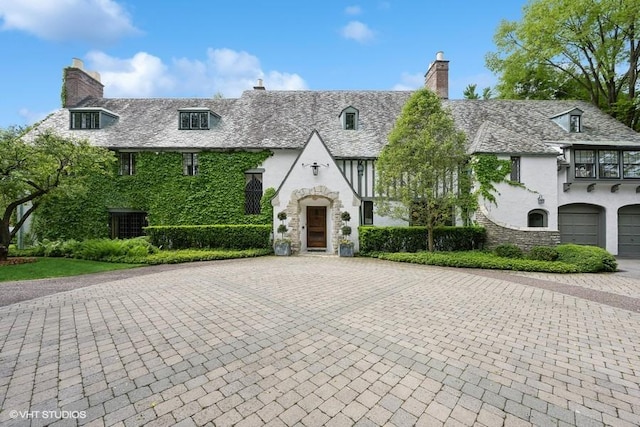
315 157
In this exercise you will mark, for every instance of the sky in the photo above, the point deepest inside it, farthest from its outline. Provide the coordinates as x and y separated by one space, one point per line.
189 48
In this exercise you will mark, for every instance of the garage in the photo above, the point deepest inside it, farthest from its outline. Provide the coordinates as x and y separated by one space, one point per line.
582 224
629 231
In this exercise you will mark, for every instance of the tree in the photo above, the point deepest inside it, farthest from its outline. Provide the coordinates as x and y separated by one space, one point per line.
470 92
418 171
580 49
32 171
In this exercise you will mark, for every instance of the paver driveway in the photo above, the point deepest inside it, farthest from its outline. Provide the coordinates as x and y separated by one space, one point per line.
324 341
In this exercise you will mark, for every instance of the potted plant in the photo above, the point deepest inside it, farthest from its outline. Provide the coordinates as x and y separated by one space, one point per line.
346 245
282 245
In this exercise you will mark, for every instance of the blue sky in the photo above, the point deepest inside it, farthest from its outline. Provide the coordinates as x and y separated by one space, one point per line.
189 48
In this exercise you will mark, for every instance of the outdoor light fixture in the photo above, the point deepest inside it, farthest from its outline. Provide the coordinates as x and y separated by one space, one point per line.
315 167
540 200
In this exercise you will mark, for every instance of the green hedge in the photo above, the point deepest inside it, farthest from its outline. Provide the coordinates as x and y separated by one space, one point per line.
478 259
414 239
589 259
210 236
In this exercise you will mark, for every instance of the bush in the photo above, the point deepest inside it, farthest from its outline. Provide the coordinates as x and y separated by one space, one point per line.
191 255
508 251
210 236
589 259
543 253
477 259
115 250
414 239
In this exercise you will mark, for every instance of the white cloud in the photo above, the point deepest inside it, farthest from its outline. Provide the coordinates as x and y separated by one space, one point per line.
223 70
353 10
357 31
409 81
63 20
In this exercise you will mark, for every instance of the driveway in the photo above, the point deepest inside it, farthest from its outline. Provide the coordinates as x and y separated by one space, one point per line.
317 340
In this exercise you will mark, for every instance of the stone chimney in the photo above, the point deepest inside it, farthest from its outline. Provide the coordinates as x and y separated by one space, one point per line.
437 77
259 85
79 84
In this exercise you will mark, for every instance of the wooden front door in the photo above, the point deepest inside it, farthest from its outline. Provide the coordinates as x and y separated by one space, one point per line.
316 227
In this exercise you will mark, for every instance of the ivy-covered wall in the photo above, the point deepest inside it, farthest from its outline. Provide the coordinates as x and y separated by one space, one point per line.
214 196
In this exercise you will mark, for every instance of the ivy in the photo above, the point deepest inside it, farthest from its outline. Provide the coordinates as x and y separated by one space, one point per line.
490 170
159 188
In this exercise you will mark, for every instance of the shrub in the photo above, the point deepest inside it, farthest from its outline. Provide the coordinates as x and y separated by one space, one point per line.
115 250
477 259
191 255
210 236
589 259
543 253
508 250
414 239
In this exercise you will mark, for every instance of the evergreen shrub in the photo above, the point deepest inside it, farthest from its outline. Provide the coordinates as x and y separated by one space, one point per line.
244 236
414 239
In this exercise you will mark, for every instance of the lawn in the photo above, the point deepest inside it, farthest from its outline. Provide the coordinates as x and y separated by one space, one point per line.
57 267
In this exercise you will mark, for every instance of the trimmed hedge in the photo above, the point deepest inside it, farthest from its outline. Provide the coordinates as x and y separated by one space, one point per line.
414 239
589 259
210 236
480 260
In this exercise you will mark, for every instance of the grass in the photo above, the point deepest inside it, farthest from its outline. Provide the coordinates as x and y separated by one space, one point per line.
57 267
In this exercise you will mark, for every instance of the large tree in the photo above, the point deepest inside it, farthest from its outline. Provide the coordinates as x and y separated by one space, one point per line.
31 171
580 49
417 172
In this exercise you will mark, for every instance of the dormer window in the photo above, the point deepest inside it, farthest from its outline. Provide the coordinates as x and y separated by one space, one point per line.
349 118
570 121
197 119
83 118
574 123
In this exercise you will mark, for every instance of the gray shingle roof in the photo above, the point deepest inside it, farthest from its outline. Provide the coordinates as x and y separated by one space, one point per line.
285 119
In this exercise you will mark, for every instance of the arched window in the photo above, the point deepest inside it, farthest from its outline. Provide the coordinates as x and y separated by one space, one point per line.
537 218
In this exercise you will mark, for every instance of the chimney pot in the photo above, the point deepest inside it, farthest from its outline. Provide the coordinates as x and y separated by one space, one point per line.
259 85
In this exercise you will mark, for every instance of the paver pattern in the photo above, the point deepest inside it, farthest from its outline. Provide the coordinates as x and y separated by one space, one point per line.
317 341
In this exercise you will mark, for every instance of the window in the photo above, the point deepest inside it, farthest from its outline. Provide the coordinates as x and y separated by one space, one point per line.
631 164
585 164
252 193
127 163
574 123
537 218
608 164
85 120
367 212
190 164
515 169
125 225
350 121
194 120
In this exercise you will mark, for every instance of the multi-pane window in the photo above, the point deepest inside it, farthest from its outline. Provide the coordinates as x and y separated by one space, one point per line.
125 225
252 193
631 164
127 163
190 164
194 120
515 169
85 120
608 164
585 161
350 121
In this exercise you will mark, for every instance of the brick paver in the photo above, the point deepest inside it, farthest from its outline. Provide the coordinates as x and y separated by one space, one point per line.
316 340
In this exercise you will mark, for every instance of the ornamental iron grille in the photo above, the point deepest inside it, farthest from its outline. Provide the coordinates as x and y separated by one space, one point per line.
252 193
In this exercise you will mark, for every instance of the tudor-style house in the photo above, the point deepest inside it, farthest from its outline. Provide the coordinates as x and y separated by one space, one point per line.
579 168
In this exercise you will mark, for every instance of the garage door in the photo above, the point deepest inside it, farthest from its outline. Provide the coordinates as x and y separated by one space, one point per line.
580 224
629 231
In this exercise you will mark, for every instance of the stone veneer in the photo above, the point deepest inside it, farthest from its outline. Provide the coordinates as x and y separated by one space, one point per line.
525 239
294 210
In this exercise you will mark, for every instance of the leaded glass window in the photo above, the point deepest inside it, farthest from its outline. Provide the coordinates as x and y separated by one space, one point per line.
585 164
194 120
252 193
190 164
631 164
608 164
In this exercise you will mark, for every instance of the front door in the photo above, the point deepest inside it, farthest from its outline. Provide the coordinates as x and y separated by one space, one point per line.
316 227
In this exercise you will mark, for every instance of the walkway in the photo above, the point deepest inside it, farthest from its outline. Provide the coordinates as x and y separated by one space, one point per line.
325 341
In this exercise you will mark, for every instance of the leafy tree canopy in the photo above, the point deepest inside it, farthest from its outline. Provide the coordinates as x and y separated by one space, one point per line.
573 49
31 171
418 170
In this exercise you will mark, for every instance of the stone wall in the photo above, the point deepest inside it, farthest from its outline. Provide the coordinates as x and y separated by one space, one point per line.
525 239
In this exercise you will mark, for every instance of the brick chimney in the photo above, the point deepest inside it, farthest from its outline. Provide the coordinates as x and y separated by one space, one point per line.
437 77
79 84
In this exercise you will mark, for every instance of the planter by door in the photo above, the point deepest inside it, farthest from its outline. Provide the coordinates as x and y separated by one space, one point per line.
346 249
282 248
